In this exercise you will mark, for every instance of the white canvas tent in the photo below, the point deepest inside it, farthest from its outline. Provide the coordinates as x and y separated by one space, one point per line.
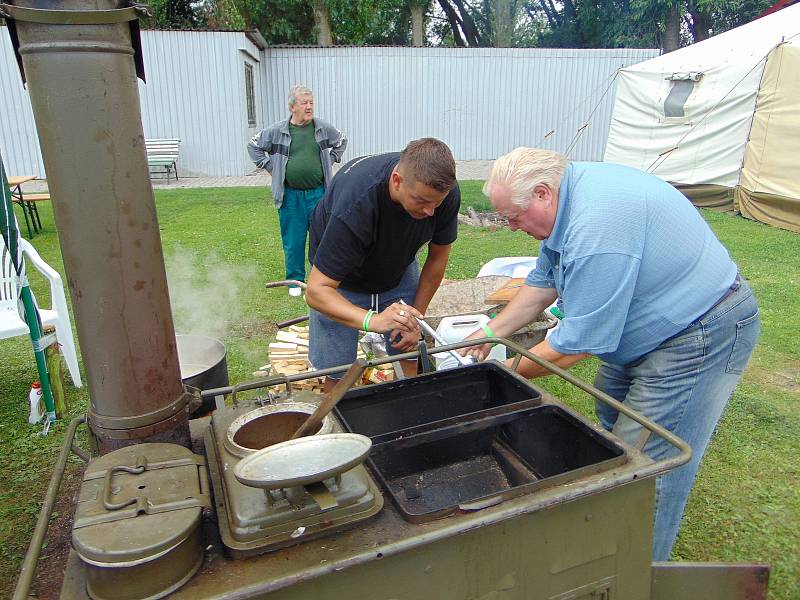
720 119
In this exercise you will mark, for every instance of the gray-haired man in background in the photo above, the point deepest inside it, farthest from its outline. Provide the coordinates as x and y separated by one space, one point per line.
298 152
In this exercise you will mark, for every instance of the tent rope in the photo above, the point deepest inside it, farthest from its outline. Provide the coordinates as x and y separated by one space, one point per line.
585 125
578 106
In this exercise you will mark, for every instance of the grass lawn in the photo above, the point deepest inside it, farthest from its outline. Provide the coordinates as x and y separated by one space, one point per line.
221 245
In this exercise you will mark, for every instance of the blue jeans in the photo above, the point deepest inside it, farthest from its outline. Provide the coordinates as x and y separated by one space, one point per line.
683 385
295 217
332 344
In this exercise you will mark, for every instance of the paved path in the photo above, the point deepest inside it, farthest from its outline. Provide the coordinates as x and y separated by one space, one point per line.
466 169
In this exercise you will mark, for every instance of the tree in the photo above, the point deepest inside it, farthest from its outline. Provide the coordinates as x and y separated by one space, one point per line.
174 14
682 22
279 21
322 23
222 14
584 24
505 12
469 25
356 22
418 8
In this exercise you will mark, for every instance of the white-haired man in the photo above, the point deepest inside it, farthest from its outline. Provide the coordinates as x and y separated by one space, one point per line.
646 286
298 152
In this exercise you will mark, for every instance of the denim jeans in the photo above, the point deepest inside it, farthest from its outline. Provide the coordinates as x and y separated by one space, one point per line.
295 216
332 344
683 385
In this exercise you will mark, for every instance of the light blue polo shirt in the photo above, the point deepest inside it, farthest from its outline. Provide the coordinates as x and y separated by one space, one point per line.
632 260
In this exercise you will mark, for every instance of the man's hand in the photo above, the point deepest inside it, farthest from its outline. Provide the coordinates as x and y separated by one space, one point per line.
523 309
478 352
404 341
397 317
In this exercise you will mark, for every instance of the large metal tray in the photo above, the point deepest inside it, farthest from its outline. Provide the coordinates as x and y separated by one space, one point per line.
490 458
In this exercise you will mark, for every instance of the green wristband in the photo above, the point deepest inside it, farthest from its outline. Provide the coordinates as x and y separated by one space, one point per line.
367 317
488 331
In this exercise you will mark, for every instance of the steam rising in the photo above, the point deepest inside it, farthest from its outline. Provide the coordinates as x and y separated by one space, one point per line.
205 292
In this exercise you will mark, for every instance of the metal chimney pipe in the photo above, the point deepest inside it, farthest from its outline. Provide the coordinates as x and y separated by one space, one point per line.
82 82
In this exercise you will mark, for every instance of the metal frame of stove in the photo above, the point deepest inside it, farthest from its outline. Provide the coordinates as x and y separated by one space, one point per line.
694 581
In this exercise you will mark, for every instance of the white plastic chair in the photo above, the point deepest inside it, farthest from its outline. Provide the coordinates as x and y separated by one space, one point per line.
11 322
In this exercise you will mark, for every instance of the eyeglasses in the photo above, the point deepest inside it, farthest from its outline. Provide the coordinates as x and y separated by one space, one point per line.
512 216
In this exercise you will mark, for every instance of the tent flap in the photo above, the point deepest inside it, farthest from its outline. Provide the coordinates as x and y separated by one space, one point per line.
715 197
769 186
778 211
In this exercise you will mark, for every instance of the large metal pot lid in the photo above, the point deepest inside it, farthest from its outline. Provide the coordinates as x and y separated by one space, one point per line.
303 461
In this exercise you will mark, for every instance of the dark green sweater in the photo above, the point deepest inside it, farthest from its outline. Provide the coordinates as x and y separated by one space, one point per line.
304 168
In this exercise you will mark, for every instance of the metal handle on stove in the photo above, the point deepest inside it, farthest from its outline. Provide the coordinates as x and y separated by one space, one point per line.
656 468
257 384
659 466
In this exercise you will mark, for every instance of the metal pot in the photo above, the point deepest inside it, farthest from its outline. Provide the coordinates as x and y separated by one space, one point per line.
137 524
204 365
269 425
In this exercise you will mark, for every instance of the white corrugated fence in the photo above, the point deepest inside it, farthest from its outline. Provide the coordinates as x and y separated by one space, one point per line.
481 101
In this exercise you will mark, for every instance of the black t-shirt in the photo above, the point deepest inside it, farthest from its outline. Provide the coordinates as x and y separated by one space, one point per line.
364 240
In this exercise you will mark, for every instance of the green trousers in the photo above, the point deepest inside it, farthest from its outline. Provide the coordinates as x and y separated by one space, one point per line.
295 217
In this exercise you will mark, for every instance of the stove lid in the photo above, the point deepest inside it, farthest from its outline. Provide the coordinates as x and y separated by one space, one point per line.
303 461
138 502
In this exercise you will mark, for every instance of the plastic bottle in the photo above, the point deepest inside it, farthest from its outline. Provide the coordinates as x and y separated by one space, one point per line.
456 328
35 399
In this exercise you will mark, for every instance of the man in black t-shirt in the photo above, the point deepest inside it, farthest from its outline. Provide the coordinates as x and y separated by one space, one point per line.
376 215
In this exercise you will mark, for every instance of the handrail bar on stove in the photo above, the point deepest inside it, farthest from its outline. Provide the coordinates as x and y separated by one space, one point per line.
658 467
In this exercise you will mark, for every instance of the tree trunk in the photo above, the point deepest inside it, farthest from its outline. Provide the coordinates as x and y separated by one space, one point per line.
455 22
701 23
322 22
672 29
504 23
471 33
417 23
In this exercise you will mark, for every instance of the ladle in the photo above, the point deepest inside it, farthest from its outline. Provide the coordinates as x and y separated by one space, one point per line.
331 398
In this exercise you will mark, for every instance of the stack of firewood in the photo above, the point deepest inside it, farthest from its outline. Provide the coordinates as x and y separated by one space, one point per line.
288 355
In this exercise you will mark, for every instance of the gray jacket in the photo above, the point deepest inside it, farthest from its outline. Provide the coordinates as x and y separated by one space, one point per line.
269 149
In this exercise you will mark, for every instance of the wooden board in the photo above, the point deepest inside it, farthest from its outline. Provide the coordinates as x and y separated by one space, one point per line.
507 292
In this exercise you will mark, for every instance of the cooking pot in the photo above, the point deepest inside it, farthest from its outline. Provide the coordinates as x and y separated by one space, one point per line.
137 523
204 366
270 424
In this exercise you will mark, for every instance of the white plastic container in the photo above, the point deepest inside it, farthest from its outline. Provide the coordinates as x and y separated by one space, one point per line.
35 400
454 329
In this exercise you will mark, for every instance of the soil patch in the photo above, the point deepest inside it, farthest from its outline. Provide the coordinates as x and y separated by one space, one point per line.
493 220
253 328
781 380
53 560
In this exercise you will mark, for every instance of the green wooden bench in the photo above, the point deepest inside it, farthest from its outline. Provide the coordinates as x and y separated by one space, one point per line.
163 154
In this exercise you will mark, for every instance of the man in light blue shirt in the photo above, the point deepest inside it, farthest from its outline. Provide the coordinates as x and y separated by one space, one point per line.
646 286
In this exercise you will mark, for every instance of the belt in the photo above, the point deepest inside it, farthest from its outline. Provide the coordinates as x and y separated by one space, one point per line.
737 283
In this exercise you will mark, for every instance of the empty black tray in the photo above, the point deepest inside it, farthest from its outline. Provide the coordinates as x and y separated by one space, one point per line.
399 408
488 459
